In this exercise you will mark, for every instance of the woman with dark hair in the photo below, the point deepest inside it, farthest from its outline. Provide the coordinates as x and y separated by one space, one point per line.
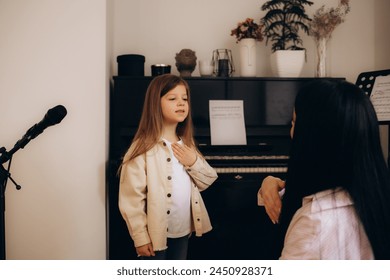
336 201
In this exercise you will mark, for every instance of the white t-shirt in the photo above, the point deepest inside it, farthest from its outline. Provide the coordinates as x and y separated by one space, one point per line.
179 217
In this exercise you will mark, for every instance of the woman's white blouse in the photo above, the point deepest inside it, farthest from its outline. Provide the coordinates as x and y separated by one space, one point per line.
326 227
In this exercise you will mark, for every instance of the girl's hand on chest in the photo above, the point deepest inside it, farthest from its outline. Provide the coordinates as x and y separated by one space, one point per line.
184 154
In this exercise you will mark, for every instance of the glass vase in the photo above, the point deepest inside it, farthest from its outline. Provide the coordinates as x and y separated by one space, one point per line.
321 70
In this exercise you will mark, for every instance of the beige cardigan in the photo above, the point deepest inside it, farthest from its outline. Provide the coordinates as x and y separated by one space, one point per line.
145 187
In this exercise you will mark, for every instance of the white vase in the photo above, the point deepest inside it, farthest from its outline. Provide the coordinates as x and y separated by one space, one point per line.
321 44
247 57
287 63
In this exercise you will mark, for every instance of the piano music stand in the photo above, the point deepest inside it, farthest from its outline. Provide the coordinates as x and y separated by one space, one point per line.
366 81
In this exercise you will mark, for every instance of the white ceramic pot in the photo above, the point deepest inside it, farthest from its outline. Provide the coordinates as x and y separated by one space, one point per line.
247 57
287 63
206 68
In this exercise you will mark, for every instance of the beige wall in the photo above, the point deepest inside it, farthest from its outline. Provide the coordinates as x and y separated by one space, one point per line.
55 52
171 25
382 34
382 47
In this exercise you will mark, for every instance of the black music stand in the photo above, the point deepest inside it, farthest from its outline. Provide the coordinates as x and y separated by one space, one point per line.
366 81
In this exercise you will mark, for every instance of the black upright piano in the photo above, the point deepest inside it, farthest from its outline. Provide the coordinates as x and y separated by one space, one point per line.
241 229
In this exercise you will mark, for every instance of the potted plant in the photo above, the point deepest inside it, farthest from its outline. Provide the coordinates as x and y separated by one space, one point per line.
247 33
282 22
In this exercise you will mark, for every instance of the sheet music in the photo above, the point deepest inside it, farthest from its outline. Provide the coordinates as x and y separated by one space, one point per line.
380 97
227 123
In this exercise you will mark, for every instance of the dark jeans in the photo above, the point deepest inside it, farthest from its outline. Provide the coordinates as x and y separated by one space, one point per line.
177 250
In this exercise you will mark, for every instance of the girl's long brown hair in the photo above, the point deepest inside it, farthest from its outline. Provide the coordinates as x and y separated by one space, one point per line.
151 123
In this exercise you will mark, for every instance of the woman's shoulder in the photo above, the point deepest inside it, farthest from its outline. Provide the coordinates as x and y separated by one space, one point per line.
323 205
327 200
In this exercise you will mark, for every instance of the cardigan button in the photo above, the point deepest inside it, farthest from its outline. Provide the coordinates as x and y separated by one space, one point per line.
169 195
168 159
164 143
169 177
189 169
168 212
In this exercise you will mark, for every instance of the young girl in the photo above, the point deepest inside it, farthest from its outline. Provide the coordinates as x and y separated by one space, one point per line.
162 174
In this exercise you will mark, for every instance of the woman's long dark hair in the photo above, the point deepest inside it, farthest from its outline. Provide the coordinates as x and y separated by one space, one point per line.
336 143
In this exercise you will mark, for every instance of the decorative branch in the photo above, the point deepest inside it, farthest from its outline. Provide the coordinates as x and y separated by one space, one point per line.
324 21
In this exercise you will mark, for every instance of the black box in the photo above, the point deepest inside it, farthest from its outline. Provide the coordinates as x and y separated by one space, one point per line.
131 65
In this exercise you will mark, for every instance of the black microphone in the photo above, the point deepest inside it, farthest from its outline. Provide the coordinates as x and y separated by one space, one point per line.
52 117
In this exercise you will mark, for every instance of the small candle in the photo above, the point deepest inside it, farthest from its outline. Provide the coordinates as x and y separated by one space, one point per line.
223 68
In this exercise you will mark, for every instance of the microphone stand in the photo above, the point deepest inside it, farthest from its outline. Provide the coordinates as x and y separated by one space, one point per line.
4 175
3 182
52 117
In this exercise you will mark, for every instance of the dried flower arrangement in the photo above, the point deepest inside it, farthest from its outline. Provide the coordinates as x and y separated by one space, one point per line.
321 27
325 21
248 29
